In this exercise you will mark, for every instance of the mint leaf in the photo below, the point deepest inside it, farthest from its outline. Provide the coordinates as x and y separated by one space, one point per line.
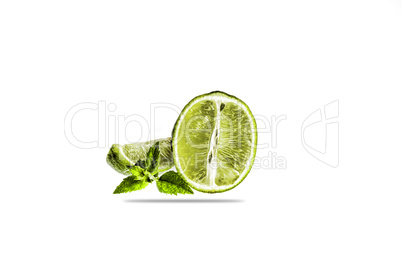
142 174
173 183
130 184
152 161
137 172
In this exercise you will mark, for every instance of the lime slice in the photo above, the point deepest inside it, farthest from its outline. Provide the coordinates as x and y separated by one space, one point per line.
214 142
121 156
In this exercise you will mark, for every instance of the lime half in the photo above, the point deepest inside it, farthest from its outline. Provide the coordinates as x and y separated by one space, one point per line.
214 142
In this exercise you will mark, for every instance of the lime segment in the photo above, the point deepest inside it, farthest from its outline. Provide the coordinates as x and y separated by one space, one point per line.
122 156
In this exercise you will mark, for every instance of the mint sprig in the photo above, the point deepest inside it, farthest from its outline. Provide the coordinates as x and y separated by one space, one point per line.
145 172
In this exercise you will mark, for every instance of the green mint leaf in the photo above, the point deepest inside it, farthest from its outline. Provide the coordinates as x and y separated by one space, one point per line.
173 183
137 172
149 177
142 174
152 162
130 184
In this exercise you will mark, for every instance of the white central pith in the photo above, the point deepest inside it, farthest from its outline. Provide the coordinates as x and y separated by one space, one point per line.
212 161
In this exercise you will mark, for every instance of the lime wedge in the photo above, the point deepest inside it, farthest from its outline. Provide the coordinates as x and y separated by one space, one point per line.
121 156
214 142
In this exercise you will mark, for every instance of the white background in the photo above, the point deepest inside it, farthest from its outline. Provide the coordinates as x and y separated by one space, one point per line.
280 57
